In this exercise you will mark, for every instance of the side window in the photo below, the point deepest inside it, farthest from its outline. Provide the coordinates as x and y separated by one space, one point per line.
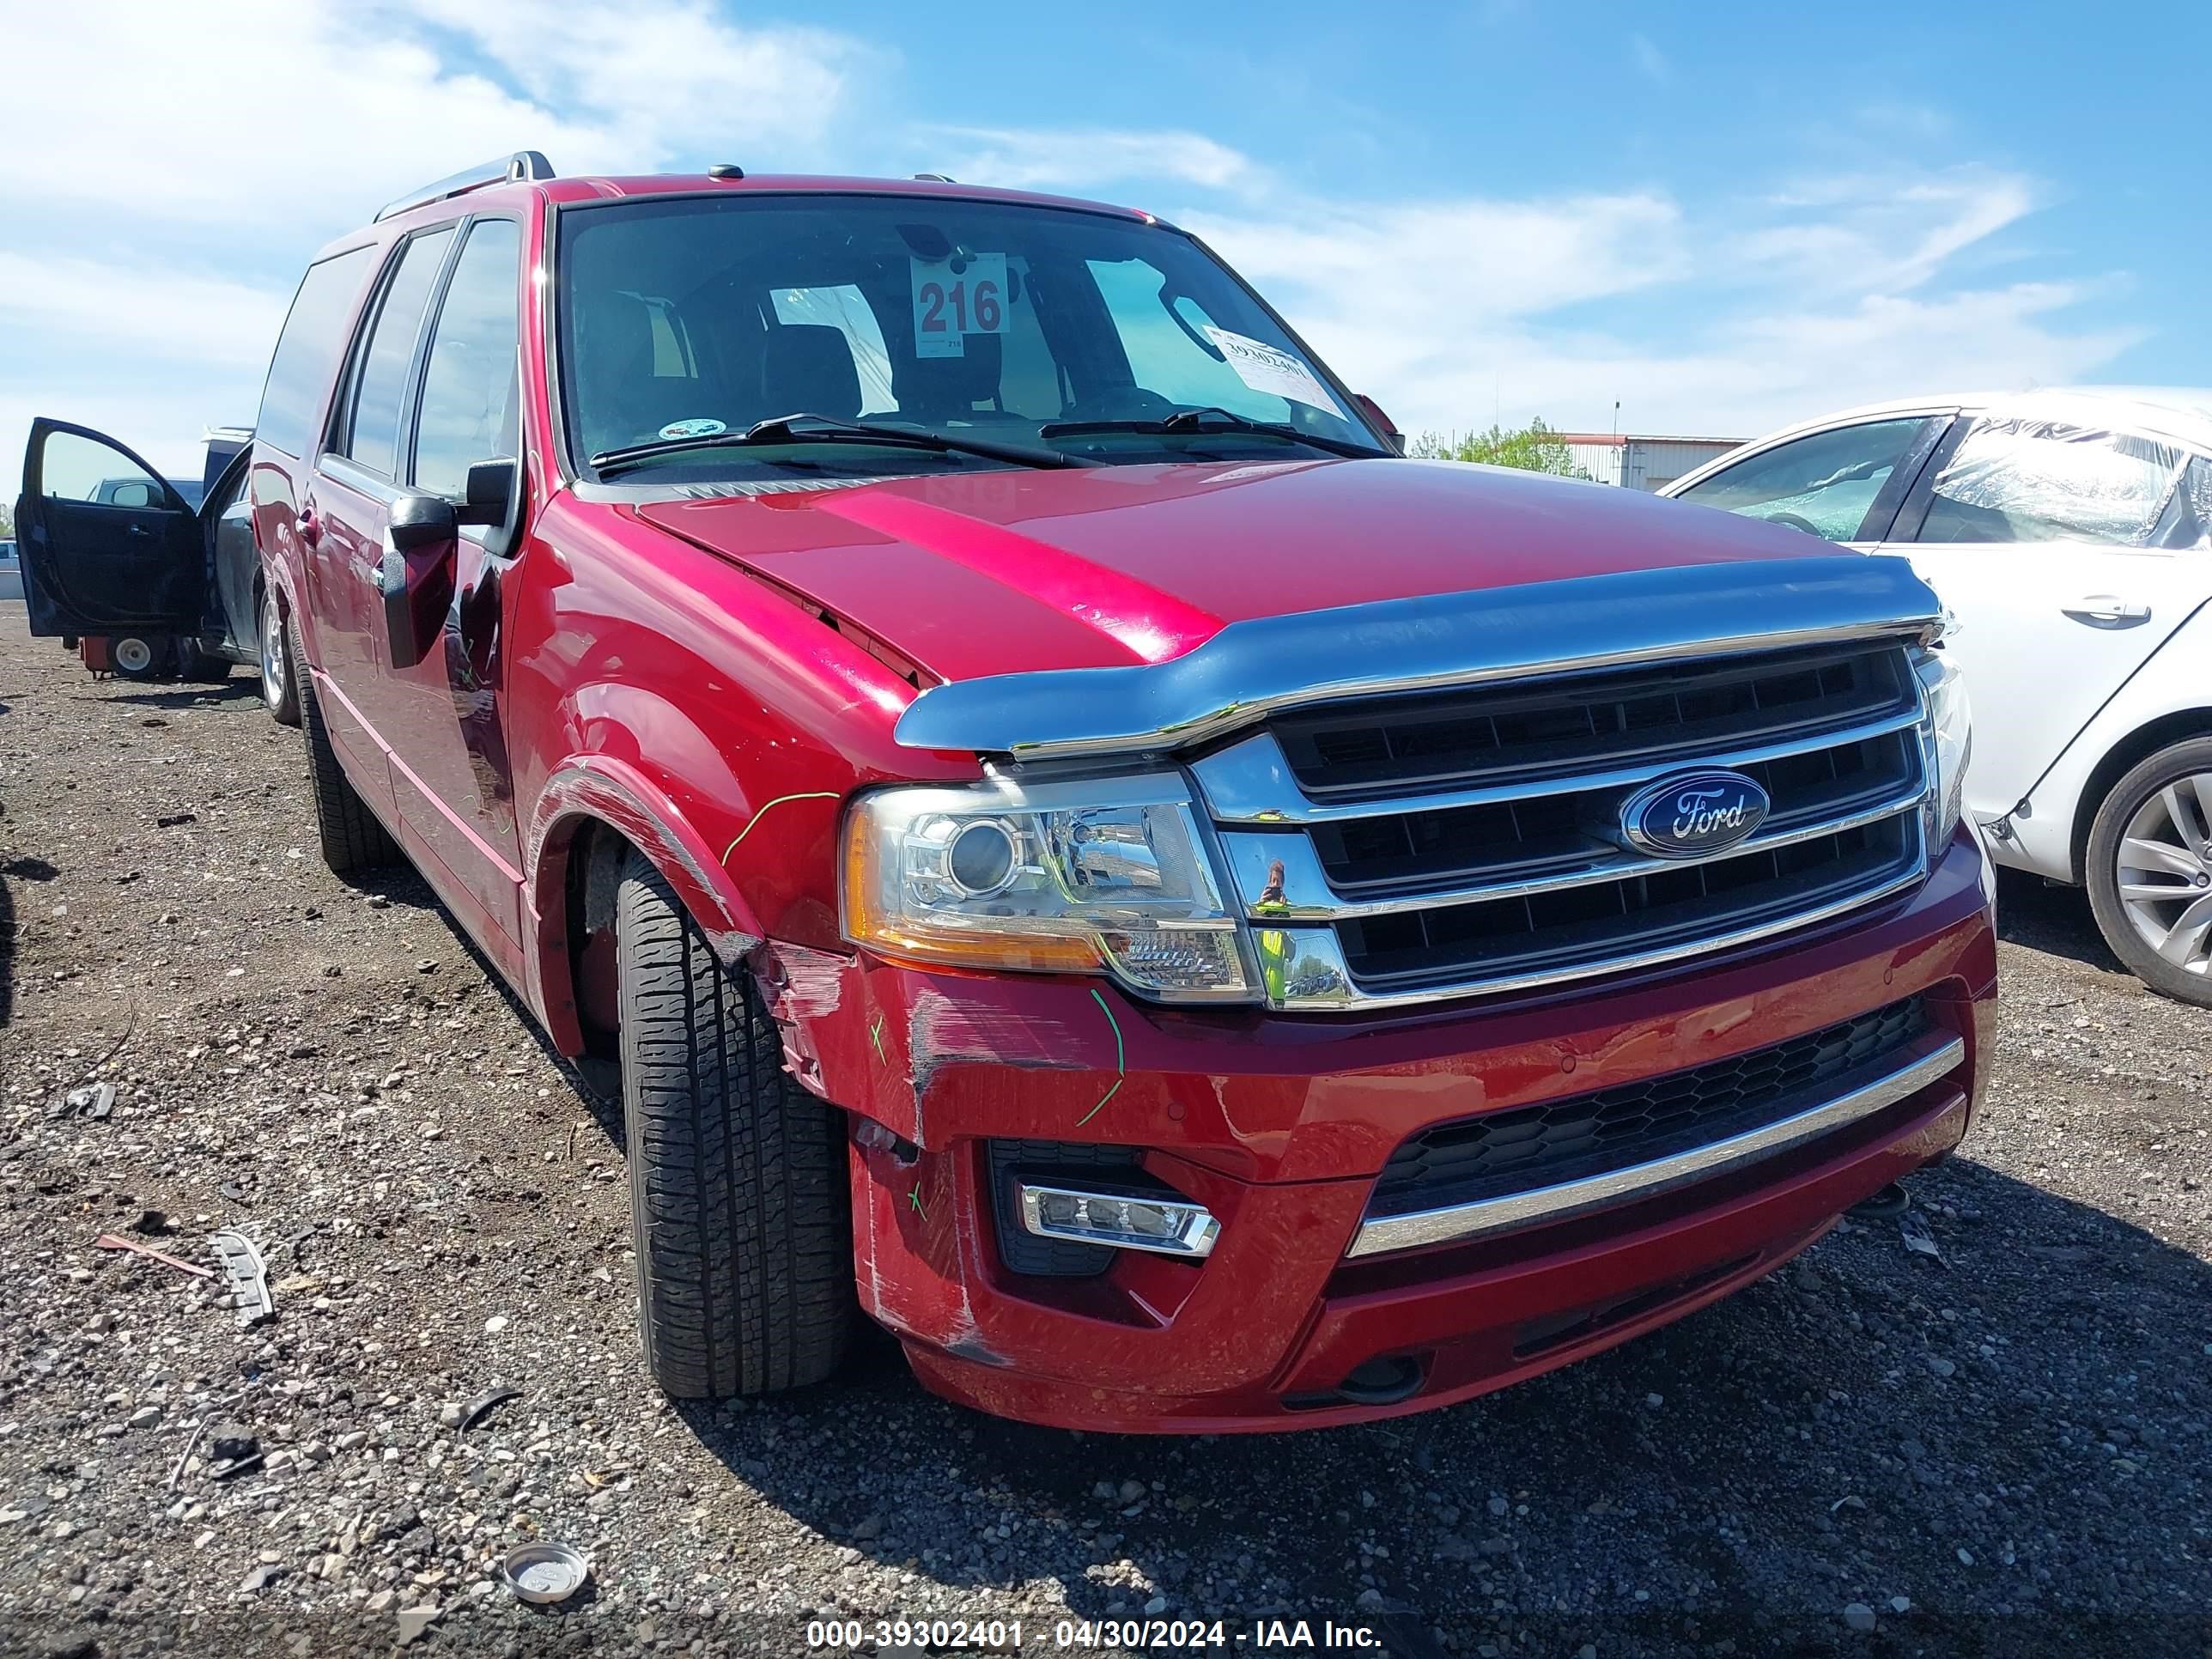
1826 482
2017 480
2187 520
469 411
370 435
844 308
307 350
75 468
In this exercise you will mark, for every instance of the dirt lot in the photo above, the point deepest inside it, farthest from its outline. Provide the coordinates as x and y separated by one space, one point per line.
2007 1451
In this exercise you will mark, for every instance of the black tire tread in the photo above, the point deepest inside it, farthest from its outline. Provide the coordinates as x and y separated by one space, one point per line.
2100 874
738 1174
353 840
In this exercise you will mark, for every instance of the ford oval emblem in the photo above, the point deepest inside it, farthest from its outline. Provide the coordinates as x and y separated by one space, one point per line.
1693 814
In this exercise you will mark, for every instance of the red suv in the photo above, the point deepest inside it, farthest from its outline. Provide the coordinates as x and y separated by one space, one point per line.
1078 851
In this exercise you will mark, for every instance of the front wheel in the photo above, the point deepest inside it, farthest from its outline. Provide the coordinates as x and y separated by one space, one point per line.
2150 871
737 1174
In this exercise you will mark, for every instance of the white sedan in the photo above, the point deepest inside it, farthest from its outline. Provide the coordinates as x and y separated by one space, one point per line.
2071 533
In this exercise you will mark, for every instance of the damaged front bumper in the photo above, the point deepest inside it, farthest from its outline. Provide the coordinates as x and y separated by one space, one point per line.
1278 1127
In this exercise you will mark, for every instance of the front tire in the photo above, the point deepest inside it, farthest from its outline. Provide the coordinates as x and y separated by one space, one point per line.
2150 871
354 842
737 1176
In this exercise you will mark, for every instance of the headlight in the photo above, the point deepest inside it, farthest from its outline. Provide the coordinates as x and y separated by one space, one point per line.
1105 876
1948 735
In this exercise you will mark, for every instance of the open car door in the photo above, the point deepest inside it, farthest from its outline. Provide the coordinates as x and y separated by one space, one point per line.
108 545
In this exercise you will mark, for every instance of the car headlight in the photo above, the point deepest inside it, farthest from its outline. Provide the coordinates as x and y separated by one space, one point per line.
1100 876
1947 733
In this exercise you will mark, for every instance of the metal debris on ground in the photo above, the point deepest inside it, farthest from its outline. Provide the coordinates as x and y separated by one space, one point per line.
1917 1238
111 1242
94 1100
232 1455
478 1408
249 1279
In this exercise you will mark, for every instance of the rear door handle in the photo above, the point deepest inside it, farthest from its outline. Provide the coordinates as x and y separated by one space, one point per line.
311 528
2107 610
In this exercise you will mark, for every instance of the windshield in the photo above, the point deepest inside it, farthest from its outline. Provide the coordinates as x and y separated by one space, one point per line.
689 318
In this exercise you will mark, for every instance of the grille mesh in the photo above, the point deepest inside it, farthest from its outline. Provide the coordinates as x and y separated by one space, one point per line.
1531 1146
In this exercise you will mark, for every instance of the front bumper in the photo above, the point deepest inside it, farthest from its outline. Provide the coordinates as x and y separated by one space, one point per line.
1278 1126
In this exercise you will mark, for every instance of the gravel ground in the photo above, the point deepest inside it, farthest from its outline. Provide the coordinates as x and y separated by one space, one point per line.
2006 1451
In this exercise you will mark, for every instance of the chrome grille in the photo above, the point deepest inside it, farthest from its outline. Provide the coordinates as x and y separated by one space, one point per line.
1662 718
1402 849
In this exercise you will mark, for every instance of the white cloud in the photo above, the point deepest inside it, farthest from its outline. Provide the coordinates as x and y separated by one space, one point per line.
1726 319
1013 159
238 112
1650 63
140 310
142 147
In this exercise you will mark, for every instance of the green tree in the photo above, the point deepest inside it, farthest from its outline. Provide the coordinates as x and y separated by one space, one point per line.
7 522
1535 447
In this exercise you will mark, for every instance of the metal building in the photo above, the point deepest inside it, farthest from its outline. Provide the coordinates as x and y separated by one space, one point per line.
1639 462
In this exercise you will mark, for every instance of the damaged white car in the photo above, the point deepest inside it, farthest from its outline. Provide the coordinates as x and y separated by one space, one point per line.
2071 533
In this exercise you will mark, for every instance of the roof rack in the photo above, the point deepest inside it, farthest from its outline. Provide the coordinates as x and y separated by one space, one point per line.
523 164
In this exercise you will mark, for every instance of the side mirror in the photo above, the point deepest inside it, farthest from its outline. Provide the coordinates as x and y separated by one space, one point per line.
1374 412
415 578
418 522
489 490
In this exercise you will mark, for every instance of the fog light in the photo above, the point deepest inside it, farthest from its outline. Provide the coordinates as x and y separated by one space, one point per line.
1124 1221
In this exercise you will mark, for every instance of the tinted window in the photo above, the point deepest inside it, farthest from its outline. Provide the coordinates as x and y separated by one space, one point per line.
307 350
469 397
372 438
2017 480
1826 483
74 468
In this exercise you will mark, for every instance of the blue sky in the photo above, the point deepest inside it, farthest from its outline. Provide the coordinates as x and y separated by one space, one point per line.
1724 215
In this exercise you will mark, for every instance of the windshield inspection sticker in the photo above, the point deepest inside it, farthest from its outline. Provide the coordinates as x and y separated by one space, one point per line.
703 427
1264 368
957 297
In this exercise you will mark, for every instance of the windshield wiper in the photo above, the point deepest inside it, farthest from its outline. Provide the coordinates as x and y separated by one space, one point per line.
1203 421
802 428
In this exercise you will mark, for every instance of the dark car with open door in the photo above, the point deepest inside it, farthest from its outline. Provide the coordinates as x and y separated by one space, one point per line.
146 578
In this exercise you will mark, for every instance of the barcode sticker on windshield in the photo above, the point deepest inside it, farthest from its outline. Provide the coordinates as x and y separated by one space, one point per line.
1264 369
957 297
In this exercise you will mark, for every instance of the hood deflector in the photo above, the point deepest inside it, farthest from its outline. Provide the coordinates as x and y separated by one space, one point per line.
1255 667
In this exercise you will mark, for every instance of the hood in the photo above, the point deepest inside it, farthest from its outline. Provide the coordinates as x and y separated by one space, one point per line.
1005 572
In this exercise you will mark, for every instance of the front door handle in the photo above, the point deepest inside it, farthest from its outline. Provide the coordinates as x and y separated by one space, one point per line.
2107 610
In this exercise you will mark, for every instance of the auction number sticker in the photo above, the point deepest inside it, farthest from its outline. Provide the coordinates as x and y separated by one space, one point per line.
1265 368
955 297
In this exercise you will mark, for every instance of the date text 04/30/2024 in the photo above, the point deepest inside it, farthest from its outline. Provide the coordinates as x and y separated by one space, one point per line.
940 1634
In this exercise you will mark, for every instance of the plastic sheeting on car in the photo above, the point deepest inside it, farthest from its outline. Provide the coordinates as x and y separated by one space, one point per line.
2029 478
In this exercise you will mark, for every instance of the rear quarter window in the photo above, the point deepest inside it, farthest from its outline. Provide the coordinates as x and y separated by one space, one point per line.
307 350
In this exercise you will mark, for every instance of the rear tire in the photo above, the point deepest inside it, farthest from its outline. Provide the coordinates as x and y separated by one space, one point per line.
354 842
278 690
2149 871
737 1176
